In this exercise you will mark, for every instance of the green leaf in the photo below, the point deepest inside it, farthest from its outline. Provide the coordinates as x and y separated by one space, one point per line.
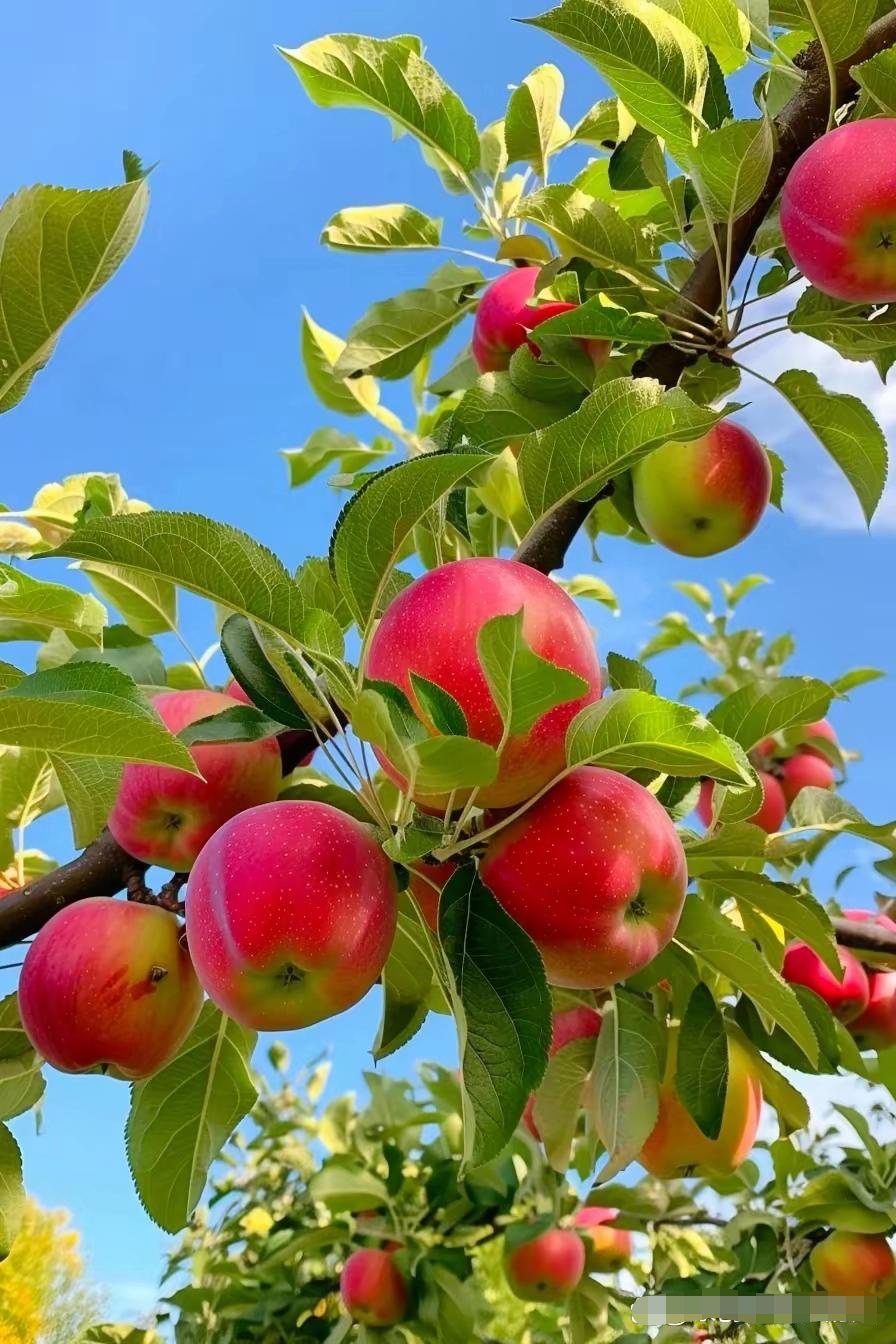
582 226
559 1098
846 428
13 1041
627 674
633 730
701 1075
840 24
432 765
30 609
877 77
347 1188
321 350
439 706
374 525
57 248
798 913
791 1106
857 676
495 413
407 983
620 423
854 330
130 653
738 844
599 126
533 127
730 167
592 587
12 1191
719 24
326 448
90 788
656 65
595 320
624 1088
181 1117
149 605
242 723
21 1084
765 707
394 336
523 685
388 75
718 942
212 559
255 675
502 1006
382 228
86 710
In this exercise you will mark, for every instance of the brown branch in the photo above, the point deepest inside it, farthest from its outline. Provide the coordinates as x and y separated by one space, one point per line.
801 122
863 936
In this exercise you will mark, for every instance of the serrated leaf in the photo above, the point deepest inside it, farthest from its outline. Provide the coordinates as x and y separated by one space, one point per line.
656 65
619 424
701 1075
798 913
730 167
524 686
57 248
591 587
765 707
242 723
21 1084
627 674
374 525
502 1006
856 676
726 948
737 844
13 1041
495 413
595 320
633 730
533 128
582 226
840 24
877 77
846 428
855 330
327 448
382 228
558 1100
31 609
12 1191
719 24
393 336
407 982
255 674
320 353
148 604
624 1088
181 1116
388 75
432 765
439 706
90 788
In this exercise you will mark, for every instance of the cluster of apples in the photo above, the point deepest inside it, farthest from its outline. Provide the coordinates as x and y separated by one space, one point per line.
864 999
784 771
696 498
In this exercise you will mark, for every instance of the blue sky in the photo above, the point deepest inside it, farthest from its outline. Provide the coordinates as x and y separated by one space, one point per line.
184 377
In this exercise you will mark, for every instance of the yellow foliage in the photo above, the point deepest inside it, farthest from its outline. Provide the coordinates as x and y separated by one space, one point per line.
42 1295
256 1223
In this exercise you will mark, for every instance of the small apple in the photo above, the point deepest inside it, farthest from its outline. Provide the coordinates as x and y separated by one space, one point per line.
570 1024
855 1264
546 1267
427 881
875 1028
109 983
820 729
770 816
838 212
847 999
804 770
607 1249
508 311
373 1289
286 741
595 873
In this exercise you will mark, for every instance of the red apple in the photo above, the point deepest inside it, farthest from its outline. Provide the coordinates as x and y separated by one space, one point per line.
846 999
767 748
803 770
427 881
508 311
109 983
875 1028
570 1024
820 729
771 814
547 1267
678 1147
705 496
374 1291
431 629
607 1248
838 212
855 1264
286 741
291 911
164 816
595 873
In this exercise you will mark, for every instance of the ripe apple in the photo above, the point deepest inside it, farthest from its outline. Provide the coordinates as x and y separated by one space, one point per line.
373 1289
607 1248
595 873
164 816
705 496
677 1147
286 741
871 917
291 911
110 983
427 881
547 1267
431 629
875 1028
846 999
838 215
770 816
805 769
767 748
570 1024
854 1263
820 729
508 311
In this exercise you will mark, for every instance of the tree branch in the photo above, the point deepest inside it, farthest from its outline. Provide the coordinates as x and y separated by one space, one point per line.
800 123
863 936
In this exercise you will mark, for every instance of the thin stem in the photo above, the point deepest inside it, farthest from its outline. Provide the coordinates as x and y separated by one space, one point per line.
191 656
773 331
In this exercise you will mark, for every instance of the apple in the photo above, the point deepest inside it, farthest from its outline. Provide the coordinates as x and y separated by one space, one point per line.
373 1289
767 748
856 1264
677 1147
595 873
546 1267
508 311
802 770
770 816
871 917
705 496
109 983
820 729
848 998
426 883
163 815
286 741
875 1028
607 1248
431 629
570 1024
838 212
291 911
